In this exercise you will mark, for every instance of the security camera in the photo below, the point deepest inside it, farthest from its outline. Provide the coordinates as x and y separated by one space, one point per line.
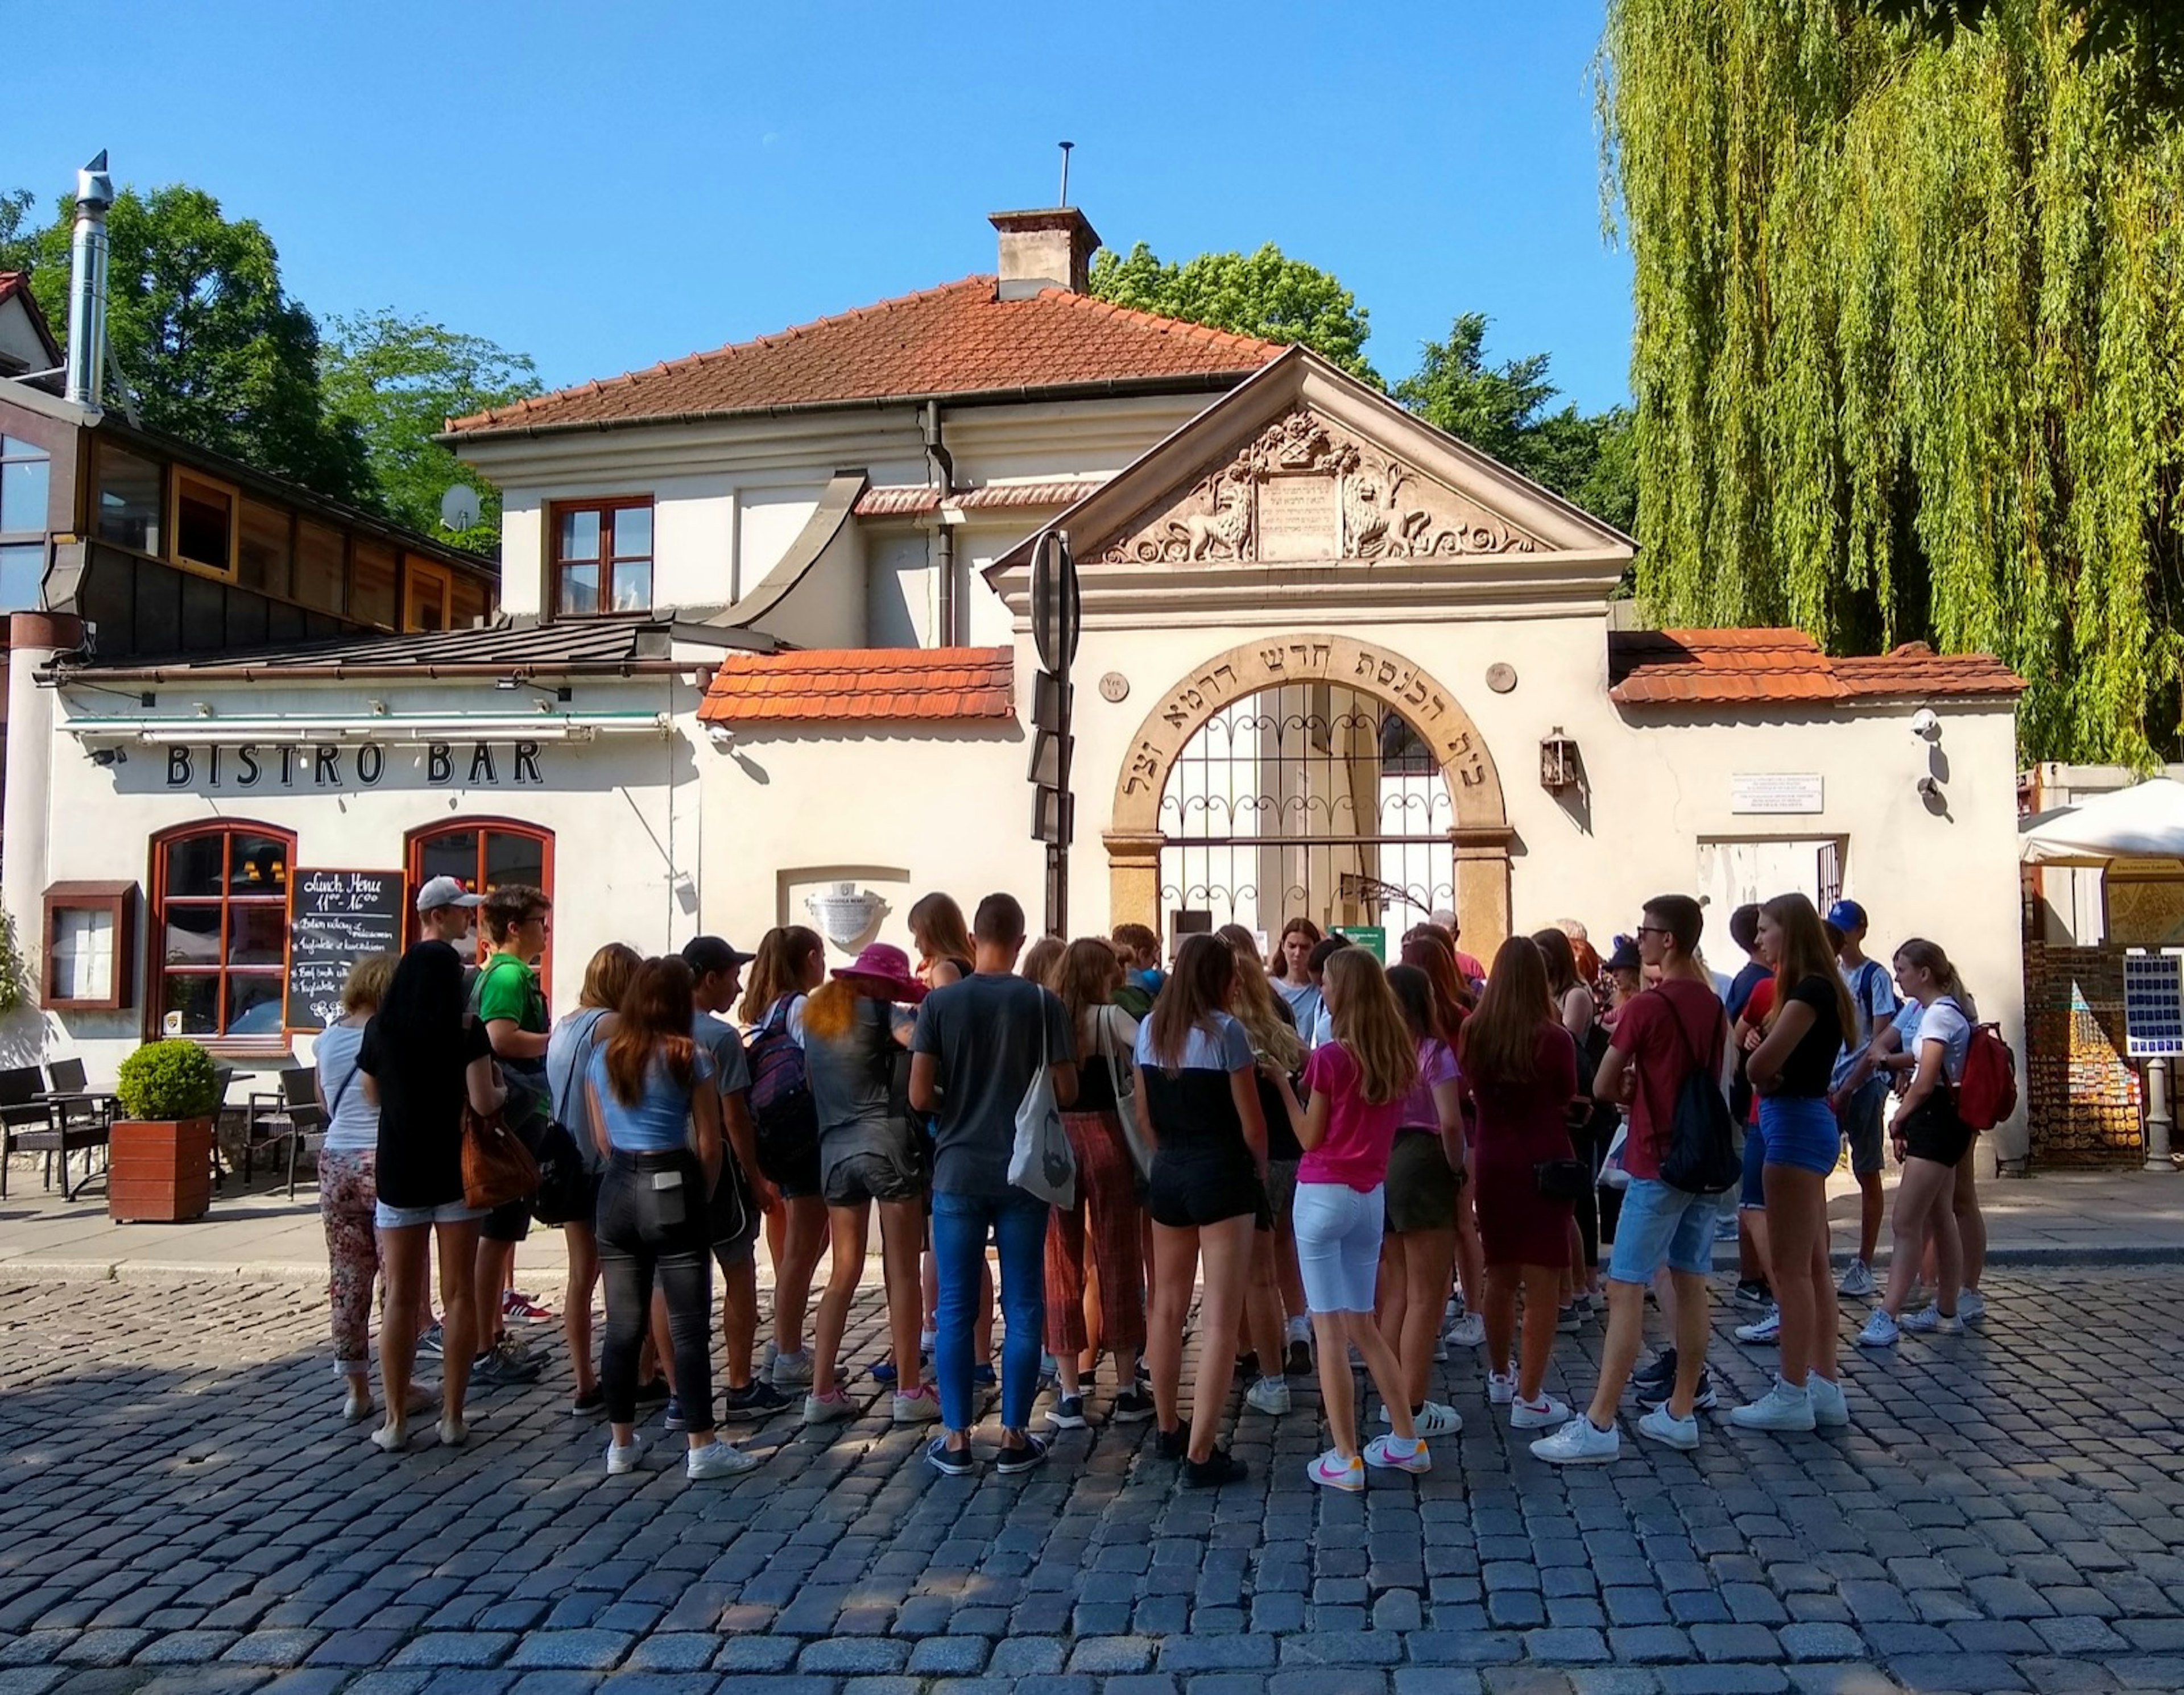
720 735
1925 726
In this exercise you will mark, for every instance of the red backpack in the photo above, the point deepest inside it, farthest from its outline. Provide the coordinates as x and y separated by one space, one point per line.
1987 1095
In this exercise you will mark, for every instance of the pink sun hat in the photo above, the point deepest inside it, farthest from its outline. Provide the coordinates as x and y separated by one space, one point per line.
881 964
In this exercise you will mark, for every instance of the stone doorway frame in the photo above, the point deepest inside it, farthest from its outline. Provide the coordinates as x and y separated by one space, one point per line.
1481 836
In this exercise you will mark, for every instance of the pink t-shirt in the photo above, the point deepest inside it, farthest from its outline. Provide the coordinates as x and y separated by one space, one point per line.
1358 1134
1436 1064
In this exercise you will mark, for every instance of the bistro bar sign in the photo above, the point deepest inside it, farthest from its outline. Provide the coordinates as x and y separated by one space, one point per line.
328 765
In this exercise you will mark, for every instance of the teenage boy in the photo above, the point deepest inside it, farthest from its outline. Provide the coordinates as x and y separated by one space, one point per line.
1138 946
513 923
1661 1037
979 1044
743 1195
1858 1106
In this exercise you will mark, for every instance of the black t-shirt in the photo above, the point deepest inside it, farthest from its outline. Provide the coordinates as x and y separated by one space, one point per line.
421 1093
1812 1062
986 1034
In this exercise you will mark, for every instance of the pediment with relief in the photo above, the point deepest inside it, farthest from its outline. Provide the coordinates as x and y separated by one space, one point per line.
1305 489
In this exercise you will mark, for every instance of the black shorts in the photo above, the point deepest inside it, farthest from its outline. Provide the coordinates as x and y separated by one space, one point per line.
1932 1131
510 1224
857 1178
733 1218
1192 1190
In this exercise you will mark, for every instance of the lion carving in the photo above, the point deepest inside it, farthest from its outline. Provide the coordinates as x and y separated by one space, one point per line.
1221 533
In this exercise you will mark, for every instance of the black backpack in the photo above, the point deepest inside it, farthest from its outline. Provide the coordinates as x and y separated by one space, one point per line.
1705 1155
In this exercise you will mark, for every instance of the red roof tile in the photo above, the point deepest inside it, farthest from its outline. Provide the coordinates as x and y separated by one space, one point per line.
825 683
1733 667
956 339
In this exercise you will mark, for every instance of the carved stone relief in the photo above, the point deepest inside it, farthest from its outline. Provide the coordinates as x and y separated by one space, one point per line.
1305 490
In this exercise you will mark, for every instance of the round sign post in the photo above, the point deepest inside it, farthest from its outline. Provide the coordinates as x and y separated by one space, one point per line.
1055 611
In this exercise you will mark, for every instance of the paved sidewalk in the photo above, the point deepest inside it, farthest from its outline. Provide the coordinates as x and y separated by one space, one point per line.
2064 1217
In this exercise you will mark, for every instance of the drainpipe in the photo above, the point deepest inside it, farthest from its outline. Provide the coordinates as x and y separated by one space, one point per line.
943 468
86 342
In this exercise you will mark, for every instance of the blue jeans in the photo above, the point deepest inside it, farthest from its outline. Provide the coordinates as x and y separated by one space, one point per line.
961 1225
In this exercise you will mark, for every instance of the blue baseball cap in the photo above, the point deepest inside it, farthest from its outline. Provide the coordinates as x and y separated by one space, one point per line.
1847 915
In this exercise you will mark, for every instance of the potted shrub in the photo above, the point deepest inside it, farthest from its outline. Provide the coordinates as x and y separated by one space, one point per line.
161 1154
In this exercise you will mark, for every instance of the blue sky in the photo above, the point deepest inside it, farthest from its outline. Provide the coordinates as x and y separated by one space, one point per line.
606 186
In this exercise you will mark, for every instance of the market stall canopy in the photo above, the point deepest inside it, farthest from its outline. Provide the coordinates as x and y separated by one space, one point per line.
2143 822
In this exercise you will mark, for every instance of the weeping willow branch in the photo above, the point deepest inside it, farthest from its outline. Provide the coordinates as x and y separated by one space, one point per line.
1909 349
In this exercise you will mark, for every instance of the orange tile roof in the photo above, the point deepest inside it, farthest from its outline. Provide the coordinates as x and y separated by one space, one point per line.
834 685
1734 667
896 500
954 340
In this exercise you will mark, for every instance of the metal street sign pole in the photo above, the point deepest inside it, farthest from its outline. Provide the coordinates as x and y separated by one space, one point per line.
1055 616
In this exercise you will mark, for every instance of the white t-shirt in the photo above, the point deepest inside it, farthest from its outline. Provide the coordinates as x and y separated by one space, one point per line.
1945 1022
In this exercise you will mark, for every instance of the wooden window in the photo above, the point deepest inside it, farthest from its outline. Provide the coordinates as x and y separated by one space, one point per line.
481 853
603 557
203 525
469 600
220 927
321 567
265 552
91 947
130 505
371 582
427 594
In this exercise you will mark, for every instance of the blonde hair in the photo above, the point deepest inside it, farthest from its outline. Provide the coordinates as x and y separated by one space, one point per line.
608 977
831 1008
1039 960
778 968
366 985
1369 1023
1251 1004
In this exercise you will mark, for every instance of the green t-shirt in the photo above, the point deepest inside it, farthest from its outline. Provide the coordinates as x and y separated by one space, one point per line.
508 988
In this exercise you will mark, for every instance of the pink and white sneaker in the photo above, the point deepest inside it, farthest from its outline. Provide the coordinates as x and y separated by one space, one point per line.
1332 1471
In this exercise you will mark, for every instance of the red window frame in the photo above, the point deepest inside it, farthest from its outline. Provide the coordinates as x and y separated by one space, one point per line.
412 856
155 1000
608 558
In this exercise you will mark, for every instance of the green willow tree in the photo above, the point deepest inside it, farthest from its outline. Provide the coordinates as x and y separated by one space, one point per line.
1909 349
1265 294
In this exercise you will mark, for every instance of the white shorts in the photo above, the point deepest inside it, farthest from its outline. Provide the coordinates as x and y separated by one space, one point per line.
1338 1244
384 1217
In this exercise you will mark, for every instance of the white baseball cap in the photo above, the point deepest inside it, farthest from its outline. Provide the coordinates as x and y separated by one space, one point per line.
445 892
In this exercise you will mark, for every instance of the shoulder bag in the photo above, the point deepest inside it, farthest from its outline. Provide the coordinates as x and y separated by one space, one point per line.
1042 1163
1123 1074
498 1169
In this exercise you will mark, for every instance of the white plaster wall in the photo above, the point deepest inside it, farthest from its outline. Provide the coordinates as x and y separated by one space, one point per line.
898 588
767 520
522 551
826 608
693 540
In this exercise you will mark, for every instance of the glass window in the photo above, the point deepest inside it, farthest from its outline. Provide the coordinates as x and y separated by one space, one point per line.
482 858
83 952
603 558
22 574
26 482
221 919
129 503
372 583
321 567
204 522
262 558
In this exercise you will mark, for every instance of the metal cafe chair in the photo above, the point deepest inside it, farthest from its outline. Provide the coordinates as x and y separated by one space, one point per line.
22 1115
77 1119
289 1115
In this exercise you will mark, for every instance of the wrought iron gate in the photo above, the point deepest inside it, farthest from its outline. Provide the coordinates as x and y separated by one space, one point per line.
1309 800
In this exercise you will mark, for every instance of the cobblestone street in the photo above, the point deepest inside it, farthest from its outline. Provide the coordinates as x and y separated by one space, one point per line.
184 1513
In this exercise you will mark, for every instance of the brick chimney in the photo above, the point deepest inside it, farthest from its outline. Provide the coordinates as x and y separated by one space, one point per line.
1048 248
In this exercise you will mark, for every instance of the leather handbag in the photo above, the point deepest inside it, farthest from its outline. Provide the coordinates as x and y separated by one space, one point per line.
498 1169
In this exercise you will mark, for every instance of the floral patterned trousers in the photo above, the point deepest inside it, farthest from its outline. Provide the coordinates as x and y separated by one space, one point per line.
347 1193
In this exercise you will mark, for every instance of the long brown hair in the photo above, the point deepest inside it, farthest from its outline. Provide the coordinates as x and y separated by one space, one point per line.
608 977
1560 958
784 955
1084 980
1428 951
1039 960
937 927
1197 989
1806 953
1369 1024
1253 1003
1500 1043
654 1022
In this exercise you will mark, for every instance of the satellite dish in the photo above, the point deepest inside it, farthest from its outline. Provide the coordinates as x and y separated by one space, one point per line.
459 507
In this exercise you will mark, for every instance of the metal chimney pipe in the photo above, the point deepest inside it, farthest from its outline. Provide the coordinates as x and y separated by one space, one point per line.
86 342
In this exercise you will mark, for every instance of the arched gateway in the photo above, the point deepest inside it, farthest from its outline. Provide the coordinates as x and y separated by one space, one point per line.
1315 774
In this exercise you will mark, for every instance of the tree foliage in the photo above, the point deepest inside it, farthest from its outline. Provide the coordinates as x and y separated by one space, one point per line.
396 380
214 350
1910 355
1265 294
2144 38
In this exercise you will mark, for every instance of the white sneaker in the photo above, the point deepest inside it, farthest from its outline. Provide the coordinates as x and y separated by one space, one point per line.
454 1432
827 1410
790 1368
1830 1410
717 1460
623 1457
1437 1419
921 1406
1767 1331
1298 1330
1857 1281
1383 1453
1332 1471
356 1408
1970 1307
1532 1415
1268 1395
1780 1409
1501 1388
1880 1331
1579 1442
391 1438
1933 1320
1468 1331
1662 1426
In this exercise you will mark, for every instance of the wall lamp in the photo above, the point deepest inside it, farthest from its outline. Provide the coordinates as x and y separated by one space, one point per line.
1558 766
512 681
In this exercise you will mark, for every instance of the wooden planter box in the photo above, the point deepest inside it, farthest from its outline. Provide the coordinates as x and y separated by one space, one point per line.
161 1170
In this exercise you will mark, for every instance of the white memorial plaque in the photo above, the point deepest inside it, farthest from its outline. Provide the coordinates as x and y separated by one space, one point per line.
1774 791
1298 518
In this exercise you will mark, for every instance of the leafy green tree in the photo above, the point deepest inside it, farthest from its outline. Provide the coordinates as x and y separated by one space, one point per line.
1264 294
2142 38
396 380
1502 410
214 349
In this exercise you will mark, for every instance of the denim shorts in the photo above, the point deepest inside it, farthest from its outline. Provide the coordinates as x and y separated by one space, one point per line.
384 1217
1755 1166
1801 1132
1861 1126
1661 1225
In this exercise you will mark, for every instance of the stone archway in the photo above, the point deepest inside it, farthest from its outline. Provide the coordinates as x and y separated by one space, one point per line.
1481 834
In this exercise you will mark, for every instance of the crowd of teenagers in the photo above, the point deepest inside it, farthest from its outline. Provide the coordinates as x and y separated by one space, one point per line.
1328 1157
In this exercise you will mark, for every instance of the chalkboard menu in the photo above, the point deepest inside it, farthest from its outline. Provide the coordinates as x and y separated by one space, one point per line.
335 918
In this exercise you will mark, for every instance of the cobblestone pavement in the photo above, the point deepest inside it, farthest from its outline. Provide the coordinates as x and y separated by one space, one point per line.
183 1513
